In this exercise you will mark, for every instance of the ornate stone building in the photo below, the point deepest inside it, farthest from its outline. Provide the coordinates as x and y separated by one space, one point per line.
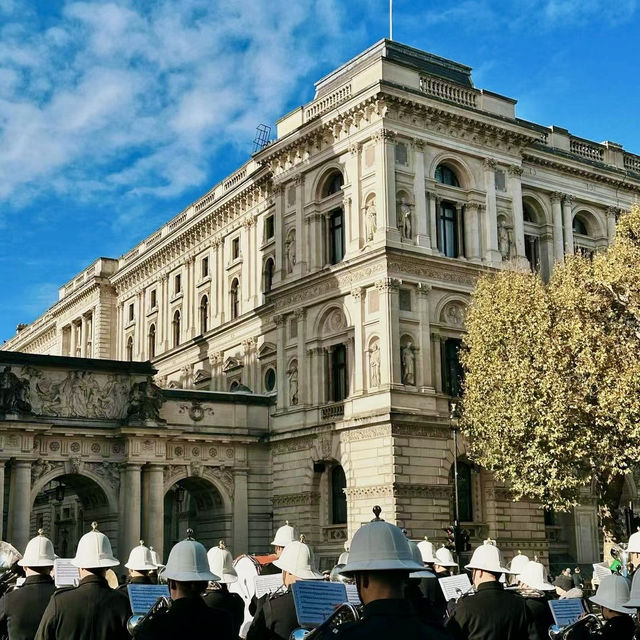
330 273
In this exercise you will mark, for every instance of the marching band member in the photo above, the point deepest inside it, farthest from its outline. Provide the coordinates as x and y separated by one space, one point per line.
188 574
92 610
430 587
612 596
284 535
493 613
276 617
140 564
218 595
423 607
21 610
380 561
634 601
536 593
517 564
633 549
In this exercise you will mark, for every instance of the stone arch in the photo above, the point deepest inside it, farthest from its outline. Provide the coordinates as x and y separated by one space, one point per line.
331 320
538 206
591 219
443 309
210 474
405 193
462 169
323 177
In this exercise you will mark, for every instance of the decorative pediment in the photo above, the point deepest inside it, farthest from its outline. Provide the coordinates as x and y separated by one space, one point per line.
266 350
201 376
175 384
231 364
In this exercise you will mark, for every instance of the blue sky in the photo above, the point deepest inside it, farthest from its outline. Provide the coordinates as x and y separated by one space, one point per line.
115 115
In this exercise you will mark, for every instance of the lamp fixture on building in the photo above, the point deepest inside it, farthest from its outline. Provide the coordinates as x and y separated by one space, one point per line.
180 491
59 494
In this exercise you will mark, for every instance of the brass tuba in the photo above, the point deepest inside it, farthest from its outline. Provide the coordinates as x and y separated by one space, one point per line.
159 608
344 613
591 622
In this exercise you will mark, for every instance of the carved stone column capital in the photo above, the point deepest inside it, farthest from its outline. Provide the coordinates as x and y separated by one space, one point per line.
424 288
556 196
515 170
490 164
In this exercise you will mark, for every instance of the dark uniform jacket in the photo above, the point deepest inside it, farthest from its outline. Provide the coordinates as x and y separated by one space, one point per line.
22 609
90 611
617 628
386 620
186 618
539 613
269 569
230 603
135 580
275 618
493 613
430 587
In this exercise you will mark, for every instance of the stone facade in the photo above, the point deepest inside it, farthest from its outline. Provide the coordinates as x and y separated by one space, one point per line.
332 271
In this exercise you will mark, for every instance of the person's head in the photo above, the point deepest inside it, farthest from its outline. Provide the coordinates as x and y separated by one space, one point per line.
562 583
94 554
612 596
140 561
38 556
296 563
101 572
187 589
284 535
380 585
187 570
486 563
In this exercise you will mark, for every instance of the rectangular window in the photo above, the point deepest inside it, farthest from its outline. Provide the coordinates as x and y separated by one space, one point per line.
448 230
401 154
500 180
404 299
177 284
293 328
205 267
336 237
131 314
269 228
235 248
153 299
339 387
451 368
532 251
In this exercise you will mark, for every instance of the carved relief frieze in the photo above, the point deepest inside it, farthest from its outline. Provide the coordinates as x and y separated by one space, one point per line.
296 499
290 446
110 471
42 467
440 274
366 433
422 431
372 491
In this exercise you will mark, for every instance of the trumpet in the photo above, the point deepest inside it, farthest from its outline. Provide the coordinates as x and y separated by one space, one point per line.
160 607
591 622
344 613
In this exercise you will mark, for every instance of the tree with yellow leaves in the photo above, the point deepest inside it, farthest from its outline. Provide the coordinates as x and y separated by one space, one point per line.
551 398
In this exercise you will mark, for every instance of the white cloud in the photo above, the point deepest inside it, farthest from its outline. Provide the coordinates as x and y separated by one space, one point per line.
121 98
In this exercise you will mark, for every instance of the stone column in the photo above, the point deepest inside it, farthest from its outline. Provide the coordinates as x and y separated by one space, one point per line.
189 327
301 245
219 280
240 512
247 267
515 188
472 231
359 348
386 181
130 516
491 231
163 305
459 230
567 215
556 213
612 214
154 508
83 336
19 504
74 337
303 391
281 385
2 467
119 331
279 270
423 290
437 340
140 328
390 336
421 217
433 220
354 221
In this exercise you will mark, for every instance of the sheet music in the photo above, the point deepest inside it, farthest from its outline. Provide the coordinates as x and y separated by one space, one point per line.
267 584
601 571
455 586
352 594
143 596
566 611
65 574
316 600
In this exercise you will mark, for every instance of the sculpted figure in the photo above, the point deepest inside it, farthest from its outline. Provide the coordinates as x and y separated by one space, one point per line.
371 221
145 400
293 385
408 365
291 250
374 365
504 241
404 220
14 393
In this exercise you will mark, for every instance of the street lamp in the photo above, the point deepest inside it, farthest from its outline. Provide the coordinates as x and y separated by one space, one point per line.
59 495
454 415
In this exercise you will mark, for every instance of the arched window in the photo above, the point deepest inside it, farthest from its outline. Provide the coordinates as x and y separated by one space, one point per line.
338 497
268 275
333 184
336 236
532 236
579 226
130 348
583 241
176 328
234 386
204 314
152 341
446 175
234 299
465 491
338 370
270 380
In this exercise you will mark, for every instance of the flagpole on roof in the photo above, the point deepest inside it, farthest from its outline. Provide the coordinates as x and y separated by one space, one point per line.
390 19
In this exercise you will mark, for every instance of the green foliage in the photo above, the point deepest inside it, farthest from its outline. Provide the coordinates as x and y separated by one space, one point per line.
552 389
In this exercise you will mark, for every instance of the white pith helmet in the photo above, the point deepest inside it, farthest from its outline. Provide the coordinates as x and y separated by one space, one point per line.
188 562
518 563
486 557
221 563
284 535
444 558
634 597
426 551
39 552
613 593
297 560
141 559
94 551
154 558
633 546
380 546
532 575
417 556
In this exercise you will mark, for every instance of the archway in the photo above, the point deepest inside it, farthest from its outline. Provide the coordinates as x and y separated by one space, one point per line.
66 506
195 503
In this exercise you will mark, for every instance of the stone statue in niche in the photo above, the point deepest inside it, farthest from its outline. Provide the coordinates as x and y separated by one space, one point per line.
374 365
14 393
504 240
145 400
404 220
371 221
293 384
408 361
291 250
